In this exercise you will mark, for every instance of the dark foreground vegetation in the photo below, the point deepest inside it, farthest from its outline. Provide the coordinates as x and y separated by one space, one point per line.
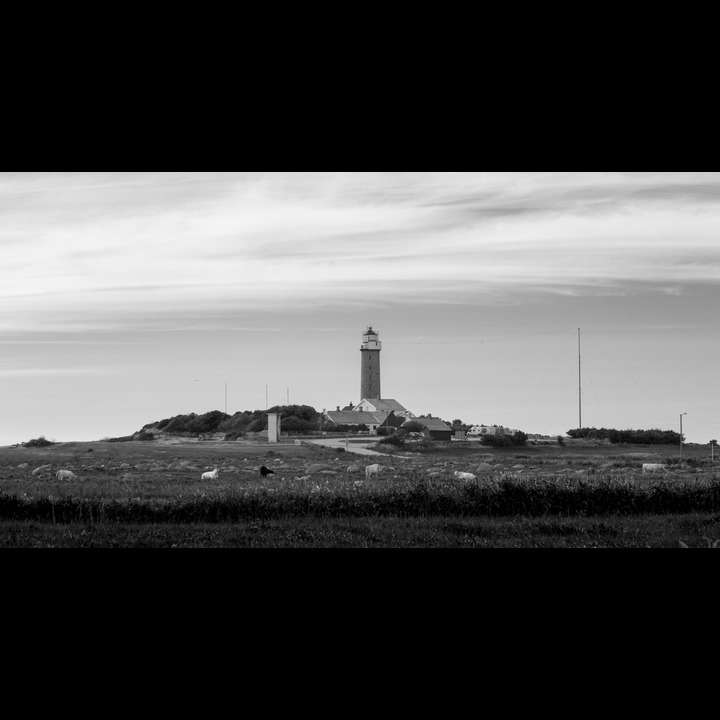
651 531
406 498
411 513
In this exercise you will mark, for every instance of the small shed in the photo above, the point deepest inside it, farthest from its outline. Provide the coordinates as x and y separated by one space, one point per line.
435 428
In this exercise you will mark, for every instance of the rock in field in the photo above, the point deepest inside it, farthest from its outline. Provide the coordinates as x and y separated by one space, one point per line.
316 468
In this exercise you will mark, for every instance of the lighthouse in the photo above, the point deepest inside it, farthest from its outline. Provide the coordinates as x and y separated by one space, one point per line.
370 364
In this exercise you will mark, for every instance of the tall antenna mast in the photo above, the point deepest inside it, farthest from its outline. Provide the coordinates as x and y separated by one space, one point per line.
579 384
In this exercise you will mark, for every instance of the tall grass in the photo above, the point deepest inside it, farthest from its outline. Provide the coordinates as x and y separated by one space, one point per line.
412 496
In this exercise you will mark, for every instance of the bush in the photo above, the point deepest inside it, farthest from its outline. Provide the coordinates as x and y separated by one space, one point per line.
393 440
412 426
345 428
495 441
639 437
258 425
517 439
295 424
302 412
294 418
38 442
207 423
238 422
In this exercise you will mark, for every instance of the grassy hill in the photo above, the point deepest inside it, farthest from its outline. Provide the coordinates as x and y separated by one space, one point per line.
295 418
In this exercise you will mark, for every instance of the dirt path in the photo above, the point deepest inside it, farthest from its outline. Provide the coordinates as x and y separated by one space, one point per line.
346 445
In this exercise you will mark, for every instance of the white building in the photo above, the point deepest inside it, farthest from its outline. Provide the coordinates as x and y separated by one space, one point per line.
374 405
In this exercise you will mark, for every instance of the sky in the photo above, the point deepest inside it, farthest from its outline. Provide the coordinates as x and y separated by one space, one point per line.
531 300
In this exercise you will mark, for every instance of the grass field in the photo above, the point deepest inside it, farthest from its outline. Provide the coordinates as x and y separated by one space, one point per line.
149 494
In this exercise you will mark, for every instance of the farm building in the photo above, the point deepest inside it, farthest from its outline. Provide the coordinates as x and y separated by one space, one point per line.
387 406
435 428
354 418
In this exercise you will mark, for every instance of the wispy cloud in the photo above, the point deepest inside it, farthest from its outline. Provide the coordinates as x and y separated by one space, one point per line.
89 250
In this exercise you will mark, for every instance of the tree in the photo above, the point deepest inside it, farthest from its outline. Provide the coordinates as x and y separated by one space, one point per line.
303 412
519 438
413 426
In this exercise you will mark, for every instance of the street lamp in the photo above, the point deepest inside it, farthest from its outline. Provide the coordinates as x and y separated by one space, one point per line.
681 435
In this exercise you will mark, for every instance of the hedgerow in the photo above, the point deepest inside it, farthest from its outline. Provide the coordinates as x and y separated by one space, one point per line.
504 496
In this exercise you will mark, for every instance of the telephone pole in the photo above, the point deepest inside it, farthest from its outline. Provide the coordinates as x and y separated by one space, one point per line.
579 384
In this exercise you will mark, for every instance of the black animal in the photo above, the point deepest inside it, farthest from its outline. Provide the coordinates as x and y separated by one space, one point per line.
265 472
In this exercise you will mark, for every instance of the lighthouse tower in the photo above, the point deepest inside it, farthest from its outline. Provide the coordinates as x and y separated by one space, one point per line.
370 365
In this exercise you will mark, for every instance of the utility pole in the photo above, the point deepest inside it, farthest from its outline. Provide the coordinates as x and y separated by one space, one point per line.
226 397
480 380
579 384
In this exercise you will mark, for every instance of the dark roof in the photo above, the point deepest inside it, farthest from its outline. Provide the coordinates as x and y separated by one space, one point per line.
432 423
352 417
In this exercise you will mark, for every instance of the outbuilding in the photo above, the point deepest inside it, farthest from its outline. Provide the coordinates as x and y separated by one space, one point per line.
435 429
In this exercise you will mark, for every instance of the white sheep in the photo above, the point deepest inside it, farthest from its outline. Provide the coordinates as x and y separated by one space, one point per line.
464 476
653 467
210 475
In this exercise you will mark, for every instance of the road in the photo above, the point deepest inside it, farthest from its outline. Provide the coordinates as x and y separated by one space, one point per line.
350 446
